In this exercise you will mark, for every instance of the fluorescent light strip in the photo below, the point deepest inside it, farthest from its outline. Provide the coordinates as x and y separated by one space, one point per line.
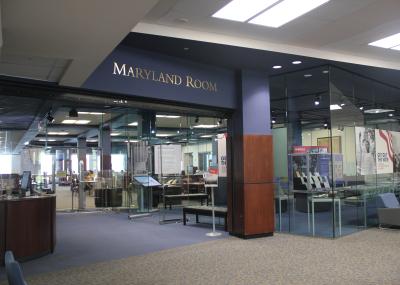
388 42
205 126
77 122
58 133
91 113
133 124
396 47
285 12
168 116
242 10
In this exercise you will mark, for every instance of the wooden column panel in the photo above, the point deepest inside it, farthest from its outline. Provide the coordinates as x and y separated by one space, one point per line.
258 164
2 230
259 209
251 205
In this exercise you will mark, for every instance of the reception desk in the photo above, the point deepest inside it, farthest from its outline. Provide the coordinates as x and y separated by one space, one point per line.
27 226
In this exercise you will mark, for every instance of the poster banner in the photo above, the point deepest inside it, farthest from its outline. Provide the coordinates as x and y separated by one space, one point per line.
309 149
365 151
167 159
384 152
222 171
337 167
396 151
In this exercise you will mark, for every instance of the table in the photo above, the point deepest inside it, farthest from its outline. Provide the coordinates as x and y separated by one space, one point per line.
314 200
169 198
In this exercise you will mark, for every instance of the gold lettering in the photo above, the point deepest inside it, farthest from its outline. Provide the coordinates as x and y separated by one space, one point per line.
161 77
139 72
147 72
197 83
169 78
213 87
189 81
130 72
178 80
119 70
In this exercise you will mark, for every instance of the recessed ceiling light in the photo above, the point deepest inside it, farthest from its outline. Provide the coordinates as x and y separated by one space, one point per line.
115 134
378 111
325 71
58 133
307 75
133 124
168 116
205 126
163 135
296 62
277 67
77 122
391 115
388 42
91 113
242 10
285 12
206 136
335 107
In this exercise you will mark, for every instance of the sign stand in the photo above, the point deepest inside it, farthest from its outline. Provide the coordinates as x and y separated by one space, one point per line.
213 233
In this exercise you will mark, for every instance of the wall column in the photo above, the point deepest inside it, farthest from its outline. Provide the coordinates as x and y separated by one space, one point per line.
251 195
82 170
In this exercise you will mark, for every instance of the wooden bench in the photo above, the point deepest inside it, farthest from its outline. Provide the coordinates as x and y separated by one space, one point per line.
169 199
220 212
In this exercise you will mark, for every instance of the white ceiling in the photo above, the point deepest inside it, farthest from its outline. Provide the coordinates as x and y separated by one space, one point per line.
339 30
64 40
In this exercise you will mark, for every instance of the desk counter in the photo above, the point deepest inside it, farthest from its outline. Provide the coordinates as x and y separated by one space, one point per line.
27 226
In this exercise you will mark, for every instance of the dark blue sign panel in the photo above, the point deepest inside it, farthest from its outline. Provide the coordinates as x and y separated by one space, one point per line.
139 73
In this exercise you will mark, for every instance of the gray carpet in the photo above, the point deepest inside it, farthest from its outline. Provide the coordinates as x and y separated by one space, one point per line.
367 257
85 238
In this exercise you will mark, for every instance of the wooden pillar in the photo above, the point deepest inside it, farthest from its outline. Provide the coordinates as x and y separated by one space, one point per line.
251 193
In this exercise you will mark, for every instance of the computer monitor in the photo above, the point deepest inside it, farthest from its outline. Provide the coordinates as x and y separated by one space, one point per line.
26 183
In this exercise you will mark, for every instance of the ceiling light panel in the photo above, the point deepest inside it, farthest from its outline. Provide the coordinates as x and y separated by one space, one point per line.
242 10
285 12
76 122
388 42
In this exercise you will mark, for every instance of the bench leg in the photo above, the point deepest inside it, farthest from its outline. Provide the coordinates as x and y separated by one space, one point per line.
197 218
225 223
184 218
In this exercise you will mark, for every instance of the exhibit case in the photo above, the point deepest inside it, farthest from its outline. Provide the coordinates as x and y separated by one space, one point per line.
340 134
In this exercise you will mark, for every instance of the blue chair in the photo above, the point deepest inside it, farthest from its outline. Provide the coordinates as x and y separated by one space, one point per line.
13 270
14 274
388 210
8 257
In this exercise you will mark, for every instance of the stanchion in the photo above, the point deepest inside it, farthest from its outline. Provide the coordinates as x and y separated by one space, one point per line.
213 233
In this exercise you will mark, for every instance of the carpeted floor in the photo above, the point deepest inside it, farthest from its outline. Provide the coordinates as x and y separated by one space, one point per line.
368 257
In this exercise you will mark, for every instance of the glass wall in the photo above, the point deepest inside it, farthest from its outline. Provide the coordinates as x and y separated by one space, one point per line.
338 131
102 153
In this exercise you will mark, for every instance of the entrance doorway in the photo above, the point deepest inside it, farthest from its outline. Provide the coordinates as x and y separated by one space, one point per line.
97 153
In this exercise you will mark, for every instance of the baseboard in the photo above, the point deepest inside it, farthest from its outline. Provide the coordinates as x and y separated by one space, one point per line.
252 236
